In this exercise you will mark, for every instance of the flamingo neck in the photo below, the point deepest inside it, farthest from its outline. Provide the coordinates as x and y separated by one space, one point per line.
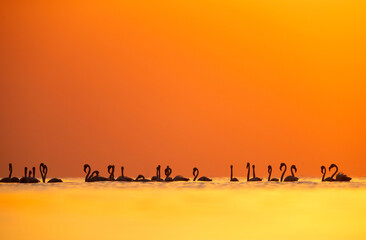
248 173
87 175
283 173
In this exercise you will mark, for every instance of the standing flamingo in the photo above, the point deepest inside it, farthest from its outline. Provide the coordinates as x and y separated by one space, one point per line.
168 172
254 179
269 176
232 179
10 179
111 173
25 178
157 177
33 179
290 178
92 178
324 170
122 178
43 169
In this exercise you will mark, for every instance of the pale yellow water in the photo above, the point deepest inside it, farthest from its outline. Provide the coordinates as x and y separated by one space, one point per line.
190 210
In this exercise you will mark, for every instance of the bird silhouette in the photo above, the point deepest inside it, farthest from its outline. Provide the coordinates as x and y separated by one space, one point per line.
270 173
33 179
157 178
122 178
324 171
43 170
232 179
10 179
341 177
141 178
290 178
168 172
111 173
195 174
254 179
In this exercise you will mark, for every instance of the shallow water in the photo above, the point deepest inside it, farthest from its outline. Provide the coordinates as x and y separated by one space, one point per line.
180 210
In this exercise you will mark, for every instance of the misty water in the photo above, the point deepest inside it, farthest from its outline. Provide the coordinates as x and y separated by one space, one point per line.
180 210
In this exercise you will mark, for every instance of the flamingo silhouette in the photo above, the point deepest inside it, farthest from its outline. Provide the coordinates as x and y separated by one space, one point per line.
324 171
111 173
195 174
92 178
269 176
168 172
141 178
122 178
254 179
290 178
43 170
10 179
341 177
33 179
25 178
157 177
231 175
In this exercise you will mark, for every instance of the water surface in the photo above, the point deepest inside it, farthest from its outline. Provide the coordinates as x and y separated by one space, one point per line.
180 210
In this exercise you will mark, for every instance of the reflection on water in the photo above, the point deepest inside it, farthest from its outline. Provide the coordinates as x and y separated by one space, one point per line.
181 210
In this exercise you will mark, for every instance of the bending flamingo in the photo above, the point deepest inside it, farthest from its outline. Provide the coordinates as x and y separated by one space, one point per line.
195 174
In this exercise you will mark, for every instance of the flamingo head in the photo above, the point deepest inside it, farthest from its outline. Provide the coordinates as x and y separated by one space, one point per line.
332 166
282 165
85 167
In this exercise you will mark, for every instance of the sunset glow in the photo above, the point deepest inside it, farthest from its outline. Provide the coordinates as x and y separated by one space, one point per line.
184 83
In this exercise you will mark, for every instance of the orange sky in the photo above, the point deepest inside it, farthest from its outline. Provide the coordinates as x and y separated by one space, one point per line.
185 83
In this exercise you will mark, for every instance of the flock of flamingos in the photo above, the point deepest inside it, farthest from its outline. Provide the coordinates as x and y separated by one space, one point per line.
29 177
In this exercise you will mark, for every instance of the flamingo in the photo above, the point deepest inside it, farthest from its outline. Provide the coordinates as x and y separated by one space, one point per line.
25 178
111 173
92 178
43 169
324 170
180 178
168 172
10 179
157 177
290 178
122 178
269 176
341 177
231 175
141 178
254 179
195 174
33 179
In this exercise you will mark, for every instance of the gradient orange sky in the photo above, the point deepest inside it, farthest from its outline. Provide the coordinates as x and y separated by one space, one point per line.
185 83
